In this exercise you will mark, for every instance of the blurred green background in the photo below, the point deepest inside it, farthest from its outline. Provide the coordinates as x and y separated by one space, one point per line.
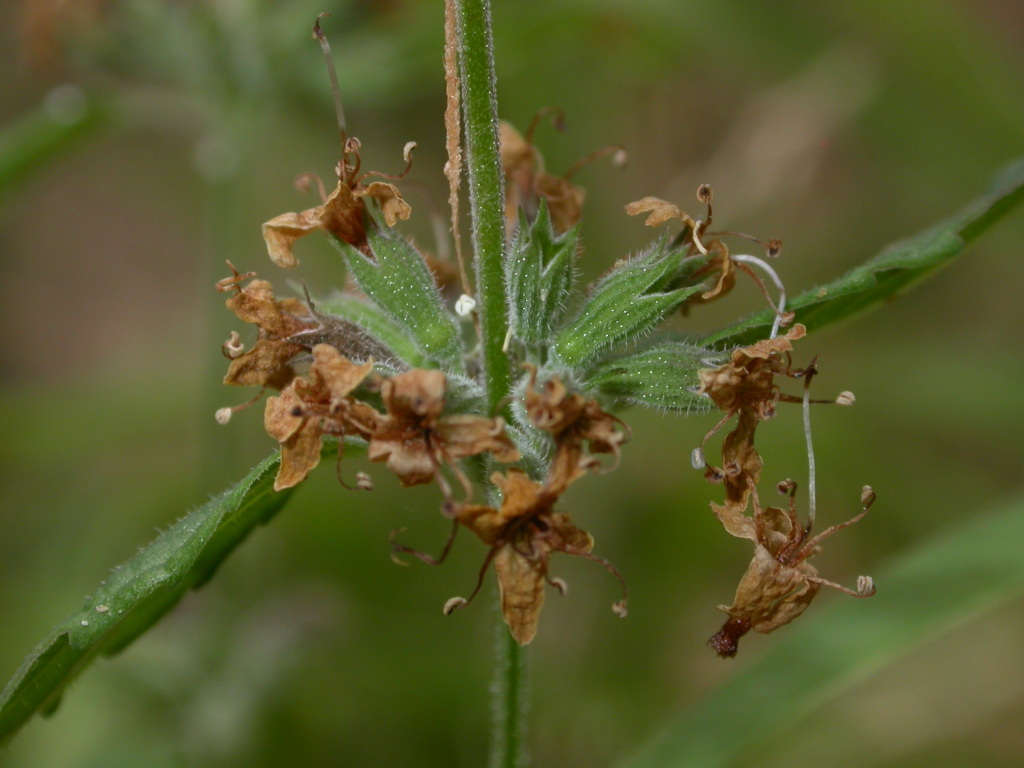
142 143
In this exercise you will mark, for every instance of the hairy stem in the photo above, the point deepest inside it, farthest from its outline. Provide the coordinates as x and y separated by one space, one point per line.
487 213
508 701
486 188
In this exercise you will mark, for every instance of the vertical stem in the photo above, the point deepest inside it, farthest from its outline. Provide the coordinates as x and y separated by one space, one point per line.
508 701
487 212
486 188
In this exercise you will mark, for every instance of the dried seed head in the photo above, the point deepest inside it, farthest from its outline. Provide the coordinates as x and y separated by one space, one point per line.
454 604
620 158
223 415
620 609
364 482
774 248
233 348
846 398
704 193
407 151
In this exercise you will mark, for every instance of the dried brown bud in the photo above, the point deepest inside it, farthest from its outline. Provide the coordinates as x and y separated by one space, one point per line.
704 193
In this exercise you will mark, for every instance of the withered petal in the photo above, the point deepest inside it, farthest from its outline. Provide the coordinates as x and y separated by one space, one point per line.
660 211
339 374
521 585
466 435
299 455
283 415
390 199
266 364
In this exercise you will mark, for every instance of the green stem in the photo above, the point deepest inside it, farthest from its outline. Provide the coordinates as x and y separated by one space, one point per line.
509 701
486 188
487 211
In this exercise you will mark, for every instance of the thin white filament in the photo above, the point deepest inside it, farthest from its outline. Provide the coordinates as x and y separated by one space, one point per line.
811 484
757 262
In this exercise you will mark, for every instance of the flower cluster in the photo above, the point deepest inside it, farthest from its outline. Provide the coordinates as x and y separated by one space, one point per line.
389 365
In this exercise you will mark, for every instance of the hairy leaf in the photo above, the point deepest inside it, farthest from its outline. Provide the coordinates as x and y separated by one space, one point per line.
892 270
375 322
538 276
663 376
625 303
138 593
399 282
945 583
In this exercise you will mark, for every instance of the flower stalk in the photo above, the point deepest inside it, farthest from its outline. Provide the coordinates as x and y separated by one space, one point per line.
487 212
486 188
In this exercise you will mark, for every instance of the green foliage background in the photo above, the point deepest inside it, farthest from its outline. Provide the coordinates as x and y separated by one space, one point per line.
838 127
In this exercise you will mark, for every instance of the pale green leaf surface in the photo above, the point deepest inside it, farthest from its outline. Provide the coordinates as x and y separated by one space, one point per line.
400 283
139 592
538 277
942 584
372 320
890 272
625 304
662 376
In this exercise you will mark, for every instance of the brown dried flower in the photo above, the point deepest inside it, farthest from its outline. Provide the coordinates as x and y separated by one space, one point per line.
780 582
342 213
702 243
268 363
416 440
745 385
523 533
572 420
316 406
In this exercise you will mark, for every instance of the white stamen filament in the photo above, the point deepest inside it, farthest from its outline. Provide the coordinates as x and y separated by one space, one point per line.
696 237
812 494
755 261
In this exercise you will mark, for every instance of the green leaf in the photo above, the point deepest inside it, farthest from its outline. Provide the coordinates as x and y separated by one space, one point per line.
538 277
891 271
400 283
663 376
138 593
372 320
945 583
625 304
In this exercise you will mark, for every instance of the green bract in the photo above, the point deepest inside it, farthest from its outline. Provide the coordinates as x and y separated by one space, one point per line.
401 285
626 303
538 277
663 376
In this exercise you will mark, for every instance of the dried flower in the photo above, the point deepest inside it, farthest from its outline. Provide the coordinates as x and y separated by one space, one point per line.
745 385
416 440
316 406
523 533
780 582
572 420
342 213
528 182
268 363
